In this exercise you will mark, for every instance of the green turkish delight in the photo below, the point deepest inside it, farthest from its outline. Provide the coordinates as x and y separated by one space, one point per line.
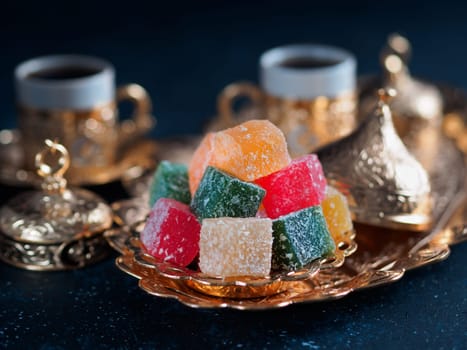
221 195
170 181
299 238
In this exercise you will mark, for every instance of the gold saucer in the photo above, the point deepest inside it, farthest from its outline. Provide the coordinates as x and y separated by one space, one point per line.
126 241
376 262
140 156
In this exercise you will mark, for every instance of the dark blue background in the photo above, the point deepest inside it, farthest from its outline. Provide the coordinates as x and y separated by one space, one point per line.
184 53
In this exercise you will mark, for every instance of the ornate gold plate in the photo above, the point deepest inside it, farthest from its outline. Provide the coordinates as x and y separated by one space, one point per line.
126 241
376 262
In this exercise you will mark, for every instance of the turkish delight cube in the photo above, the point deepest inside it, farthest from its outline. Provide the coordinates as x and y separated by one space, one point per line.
337 213
221 195
236 246
170 180
299 185
171 232
248 151
299 238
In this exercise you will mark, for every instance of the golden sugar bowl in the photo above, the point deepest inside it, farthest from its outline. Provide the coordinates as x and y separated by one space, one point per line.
55 228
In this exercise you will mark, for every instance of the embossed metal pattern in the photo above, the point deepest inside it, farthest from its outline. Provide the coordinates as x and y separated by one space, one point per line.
94 138
90 143
73 254
384 183
310 124
444 148
55 228
55 214
37 218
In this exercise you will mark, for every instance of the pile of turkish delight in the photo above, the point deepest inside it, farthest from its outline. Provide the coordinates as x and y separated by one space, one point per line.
243 207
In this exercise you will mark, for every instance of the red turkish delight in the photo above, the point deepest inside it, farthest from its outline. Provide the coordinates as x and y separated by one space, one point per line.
171 232
299 185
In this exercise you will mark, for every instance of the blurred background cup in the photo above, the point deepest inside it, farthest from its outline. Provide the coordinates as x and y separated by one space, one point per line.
73 99
307 90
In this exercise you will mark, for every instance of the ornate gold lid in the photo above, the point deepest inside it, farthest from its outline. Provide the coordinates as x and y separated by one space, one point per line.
384 183
55 214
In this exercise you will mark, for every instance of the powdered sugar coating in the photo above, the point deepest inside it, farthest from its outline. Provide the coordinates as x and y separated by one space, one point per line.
299 238
248 151
171 232
299 185
221 195
236 247
337 213
263 150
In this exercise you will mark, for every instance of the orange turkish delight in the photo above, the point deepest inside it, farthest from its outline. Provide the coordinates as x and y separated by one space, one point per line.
336 212
248 151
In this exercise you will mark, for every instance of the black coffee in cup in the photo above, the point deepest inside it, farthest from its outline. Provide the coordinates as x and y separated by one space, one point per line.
63 73
73 98
307 63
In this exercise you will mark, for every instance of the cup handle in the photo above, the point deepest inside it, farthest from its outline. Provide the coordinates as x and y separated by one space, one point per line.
142 121
226 114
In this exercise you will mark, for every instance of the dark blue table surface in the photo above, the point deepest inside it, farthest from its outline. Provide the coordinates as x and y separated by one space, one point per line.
184 53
